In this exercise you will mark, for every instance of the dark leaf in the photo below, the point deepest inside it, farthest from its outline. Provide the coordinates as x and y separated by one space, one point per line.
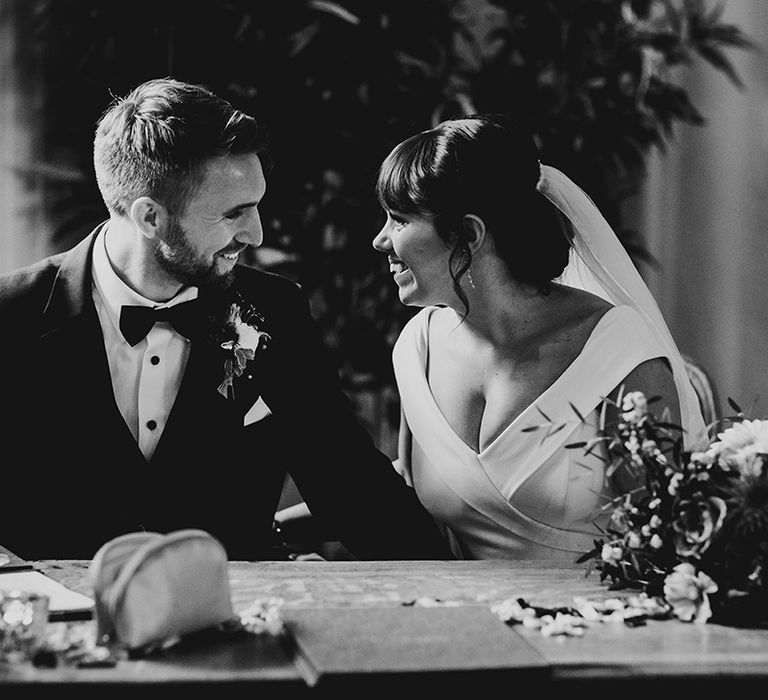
555 429
718 59
576 411
668 426
546 417
588 555
574 445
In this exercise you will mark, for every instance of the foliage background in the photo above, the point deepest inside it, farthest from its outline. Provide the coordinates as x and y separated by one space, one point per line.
339 83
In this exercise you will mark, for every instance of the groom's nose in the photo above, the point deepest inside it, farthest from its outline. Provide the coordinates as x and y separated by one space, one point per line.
252 233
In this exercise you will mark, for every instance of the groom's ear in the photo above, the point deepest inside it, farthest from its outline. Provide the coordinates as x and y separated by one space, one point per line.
148 216
474 231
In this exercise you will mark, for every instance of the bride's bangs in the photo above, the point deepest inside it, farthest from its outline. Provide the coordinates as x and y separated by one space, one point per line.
399 184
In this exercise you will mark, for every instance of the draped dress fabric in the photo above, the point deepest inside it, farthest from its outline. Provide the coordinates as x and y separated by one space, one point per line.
524 495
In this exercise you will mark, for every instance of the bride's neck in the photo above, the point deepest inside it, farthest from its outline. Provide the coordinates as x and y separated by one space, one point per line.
503 311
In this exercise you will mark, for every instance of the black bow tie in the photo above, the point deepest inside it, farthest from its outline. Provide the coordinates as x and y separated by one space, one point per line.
137 321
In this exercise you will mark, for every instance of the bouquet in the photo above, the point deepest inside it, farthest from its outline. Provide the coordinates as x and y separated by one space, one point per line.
695 530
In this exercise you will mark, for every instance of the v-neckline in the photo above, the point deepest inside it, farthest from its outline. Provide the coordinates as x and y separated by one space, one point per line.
525 412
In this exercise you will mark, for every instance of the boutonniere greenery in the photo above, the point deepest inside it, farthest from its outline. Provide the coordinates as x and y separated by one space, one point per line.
244 337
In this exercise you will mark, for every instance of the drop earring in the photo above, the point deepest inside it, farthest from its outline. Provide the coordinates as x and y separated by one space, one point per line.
469 278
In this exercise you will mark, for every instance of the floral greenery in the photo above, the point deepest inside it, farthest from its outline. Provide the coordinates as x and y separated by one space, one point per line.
338 83
597 81
695 531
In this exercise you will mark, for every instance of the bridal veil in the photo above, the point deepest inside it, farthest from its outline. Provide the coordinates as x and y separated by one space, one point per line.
598 263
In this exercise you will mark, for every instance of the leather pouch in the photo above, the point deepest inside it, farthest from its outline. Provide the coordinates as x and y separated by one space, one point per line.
151 588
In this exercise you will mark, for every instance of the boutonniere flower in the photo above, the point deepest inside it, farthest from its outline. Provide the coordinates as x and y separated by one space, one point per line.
245 338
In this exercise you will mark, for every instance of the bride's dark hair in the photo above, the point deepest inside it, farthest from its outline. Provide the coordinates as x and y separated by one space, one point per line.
486 165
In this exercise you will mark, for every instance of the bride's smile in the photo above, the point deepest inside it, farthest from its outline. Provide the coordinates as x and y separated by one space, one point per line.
418 258
397 267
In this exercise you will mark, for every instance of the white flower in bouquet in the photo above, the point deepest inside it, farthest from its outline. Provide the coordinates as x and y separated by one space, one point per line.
633 406
687 591
739 445
612 552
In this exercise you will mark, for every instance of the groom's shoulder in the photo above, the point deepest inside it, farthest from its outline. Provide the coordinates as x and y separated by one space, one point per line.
28 287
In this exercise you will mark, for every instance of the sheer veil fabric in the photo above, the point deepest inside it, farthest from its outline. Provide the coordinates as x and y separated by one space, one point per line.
598 263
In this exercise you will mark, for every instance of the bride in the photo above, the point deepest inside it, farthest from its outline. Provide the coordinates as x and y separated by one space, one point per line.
532 313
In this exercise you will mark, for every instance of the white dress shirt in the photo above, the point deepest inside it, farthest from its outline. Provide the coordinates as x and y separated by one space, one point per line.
147 376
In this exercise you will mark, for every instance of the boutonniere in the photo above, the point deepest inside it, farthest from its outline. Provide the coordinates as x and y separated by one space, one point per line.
244 339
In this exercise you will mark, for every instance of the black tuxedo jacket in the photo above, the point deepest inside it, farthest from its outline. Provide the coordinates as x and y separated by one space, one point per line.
74 477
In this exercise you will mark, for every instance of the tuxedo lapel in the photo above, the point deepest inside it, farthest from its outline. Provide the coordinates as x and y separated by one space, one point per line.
71 295
74 361
80 386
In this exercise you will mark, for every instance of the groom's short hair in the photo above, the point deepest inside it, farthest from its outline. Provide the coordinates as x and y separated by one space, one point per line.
155 141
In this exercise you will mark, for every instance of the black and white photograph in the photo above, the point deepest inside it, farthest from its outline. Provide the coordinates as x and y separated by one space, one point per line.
352 346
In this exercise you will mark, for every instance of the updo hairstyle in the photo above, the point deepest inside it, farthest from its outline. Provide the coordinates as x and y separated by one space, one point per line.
484 165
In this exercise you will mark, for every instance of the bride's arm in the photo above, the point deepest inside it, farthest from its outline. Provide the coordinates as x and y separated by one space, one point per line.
654 378
402 464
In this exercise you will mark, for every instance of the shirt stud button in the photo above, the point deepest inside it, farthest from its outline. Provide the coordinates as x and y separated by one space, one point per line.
155 360
151 424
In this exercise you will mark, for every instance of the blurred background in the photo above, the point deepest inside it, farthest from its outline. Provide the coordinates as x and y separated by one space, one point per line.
657 108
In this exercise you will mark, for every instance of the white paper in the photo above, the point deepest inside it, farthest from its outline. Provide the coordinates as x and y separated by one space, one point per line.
60 598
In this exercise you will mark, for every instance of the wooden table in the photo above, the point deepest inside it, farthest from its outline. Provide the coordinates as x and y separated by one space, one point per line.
660 657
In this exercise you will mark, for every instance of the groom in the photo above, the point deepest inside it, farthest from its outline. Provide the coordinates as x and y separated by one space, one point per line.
150 382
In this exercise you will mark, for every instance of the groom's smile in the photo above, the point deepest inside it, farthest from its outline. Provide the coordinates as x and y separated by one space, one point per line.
220 221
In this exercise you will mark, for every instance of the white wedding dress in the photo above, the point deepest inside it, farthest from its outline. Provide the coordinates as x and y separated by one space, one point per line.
526 496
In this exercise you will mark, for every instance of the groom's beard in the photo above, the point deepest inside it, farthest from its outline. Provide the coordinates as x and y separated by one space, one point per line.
179 259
